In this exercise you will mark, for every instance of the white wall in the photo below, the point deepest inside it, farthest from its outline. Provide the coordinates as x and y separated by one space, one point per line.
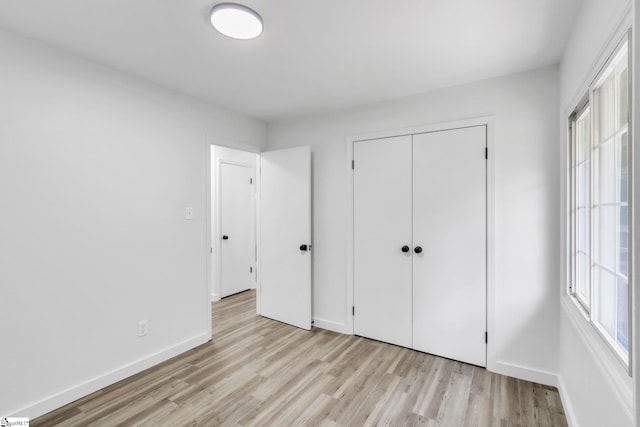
96 169
595 388
526 204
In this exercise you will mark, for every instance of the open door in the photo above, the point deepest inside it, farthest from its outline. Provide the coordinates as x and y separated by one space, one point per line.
285 236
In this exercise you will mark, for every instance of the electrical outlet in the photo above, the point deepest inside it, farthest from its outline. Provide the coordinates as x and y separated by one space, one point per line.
142 328
188 212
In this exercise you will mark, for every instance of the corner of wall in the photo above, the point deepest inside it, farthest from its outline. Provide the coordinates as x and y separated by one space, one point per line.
525 373
569 411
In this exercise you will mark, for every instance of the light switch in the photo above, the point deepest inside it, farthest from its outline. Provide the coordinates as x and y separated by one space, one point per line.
188 212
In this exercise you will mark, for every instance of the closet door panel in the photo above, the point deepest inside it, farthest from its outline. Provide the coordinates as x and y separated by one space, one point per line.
382 226
449 224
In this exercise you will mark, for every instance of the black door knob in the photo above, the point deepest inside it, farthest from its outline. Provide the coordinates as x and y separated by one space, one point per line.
405 249
303 247
225 237
417 249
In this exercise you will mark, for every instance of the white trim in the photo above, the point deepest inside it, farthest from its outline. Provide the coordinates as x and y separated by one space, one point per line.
433 127
489 122
634 73
616 374
215 256
236 145
569 411
349 232
77 391
492 329
208 286
525 373
341 328
258 196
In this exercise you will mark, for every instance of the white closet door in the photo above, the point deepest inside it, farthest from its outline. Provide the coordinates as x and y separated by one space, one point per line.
236 192
449 224
285 236
382 226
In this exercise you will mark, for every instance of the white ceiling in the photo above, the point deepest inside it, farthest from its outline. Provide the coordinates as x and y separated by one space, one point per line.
314 55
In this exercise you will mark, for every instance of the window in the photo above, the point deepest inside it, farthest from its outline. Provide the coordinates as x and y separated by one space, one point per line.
599 219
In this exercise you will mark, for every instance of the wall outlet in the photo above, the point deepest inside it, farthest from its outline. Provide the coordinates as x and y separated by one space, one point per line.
142 328
188 212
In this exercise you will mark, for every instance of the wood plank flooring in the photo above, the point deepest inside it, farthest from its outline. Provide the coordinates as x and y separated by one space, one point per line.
258 372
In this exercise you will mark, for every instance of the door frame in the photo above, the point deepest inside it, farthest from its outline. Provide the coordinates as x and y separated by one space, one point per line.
489 122
214 220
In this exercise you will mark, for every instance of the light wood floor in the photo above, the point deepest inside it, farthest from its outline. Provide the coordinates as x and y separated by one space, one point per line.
260 372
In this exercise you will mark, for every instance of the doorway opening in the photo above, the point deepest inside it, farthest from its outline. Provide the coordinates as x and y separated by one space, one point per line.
233 221
260 230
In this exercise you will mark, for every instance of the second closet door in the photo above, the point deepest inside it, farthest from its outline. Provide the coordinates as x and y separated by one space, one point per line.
449 225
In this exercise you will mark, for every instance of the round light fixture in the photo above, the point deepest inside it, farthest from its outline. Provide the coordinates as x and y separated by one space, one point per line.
236 21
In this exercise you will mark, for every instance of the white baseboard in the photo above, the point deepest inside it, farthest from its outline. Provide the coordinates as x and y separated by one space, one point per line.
331 326
215 297
524 373
566 404
75 392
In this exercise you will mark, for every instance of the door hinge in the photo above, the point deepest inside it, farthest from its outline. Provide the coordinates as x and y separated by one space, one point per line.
250 180
211 250
486 153
486 337
353 164
353 310
250 269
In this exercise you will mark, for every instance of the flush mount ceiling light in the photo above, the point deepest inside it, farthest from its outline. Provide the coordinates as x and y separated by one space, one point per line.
236 21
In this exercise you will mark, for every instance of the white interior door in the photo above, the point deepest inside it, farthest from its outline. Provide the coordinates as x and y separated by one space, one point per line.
449 224
382 227
285 226
236 191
